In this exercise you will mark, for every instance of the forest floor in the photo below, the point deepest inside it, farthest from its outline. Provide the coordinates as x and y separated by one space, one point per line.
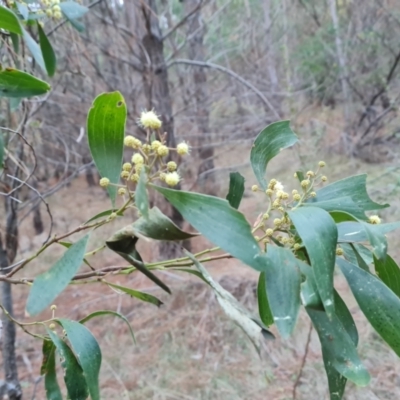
187 348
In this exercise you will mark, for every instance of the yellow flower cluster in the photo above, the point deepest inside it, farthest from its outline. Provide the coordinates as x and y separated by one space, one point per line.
279 202
52 8
149 157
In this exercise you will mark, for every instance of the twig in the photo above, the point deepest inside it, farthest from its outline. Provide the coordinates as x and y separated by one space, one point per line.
232 74
303 362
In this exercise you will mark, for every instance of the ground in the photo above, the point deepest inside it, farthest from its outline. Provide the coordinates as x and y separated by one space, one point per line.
187 348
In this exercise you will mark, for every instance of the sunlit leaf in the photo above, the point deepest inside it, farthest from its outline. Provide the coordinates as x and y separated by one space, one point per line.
9 21
73 10
48 54
48 285
23 10
270 142
15 83
236 189
106 130
263 305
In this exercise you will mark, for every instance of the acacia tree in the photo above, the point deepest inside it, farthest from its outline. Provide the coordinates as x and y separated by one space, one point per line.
295 244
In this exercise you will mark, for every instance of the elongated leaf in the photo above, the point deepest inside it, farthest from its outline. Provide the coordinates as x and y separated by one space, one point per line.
109 312
87 351
236 189
354 232
233 309
339 350
141 198
389 272
15 83
9 21
159 227
73 10
271 140
336 381
212 216
263 305
359 259
340 216
48 369
378 241
47 286
309 290
378 303
34 49
73 374
124 244
283 288
192 272
23 10
146 297
48 54
103 214
354 187
106 129
319 234
341 204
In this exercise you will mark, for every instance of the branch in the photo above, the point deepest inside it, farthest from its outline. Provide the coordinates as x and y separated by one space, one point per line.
183 20
232 74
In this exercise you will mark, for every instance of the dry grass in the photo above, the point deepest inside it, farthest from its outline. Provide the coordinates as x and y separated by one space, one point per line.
188 349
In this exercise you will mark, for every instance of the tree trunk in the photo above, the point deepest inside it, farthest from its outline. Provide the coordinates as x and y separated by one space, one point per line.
196 30
10 388
341 58
156 89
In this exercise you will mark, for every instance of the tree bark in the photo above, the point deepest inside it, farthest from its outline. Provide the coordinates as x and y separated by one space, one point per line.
200 95
156 89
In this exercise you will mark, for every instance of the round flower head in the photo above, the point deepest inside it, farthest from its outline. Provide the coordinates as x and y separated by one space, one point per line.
254 188
278 186
131 141
163 151
155 144
182 149
137 158
171 166
374 219
321 164
125 174
127 166
135 178
172 178
149 119
104 182
121 191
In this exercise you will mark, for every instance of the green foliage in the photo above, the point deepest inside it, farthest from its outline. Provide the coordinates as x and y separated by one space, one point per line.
17 84
51 283
319 234
48 369
236 189
295 244
106 128
283 288
49 56
270 142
